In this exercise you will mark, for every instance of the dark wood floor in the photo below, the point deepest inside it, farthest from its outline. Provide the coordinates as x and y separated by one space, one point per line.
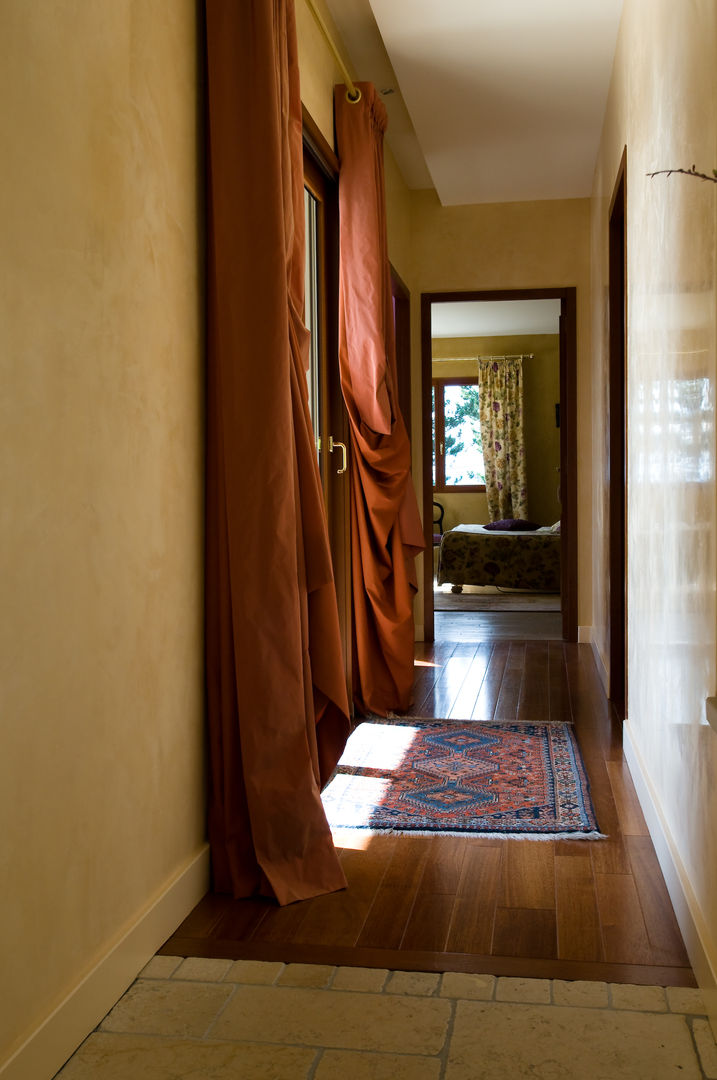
580 909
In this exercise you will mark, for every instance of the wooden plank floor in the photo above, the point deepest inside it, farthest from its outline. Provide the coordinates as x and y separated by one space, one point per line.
572 909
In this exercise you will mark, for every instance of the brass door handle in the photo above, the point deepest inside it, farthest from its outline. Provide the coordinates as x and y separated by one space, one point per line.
335 445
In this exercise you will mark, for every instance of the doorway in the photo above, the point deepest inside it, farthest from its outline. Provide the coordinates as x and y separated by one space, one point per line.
617 431
561 474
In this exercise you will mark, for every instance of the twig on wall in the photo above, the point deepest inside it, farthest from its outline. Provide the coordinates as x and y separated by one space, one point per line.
687 172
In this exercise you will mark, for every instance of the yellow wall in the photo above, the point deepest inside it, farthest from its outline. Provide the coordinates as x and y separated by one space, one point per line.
541 390
663 106
101 769
512 246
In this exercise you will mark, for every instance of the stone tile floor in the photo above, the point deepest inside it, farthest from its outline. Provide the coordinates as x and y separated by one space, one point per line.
200 1019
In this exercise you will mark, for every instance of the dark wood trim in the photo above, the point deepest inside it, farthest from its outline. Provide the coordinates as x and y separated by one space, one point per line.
568 439
409 960
440 485
426 437
322 183
617 441
318 146
402 315
568 463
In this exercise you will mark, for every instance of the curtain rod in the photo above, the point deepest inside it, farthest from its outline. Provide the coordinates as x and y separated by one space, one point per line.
461 359
353 94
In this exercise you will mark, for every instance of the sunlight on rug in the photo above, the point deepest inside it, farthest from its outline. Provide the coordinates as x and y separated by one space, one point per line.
423 777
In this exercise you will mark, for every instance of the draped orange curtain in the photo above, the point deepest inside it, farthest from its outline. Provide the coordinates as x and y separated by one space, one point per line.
386 530
277 707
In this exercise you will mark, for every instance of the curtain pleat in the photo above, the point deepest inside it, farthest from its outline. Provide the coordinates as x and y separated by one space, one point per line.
276 697
501 422
386 532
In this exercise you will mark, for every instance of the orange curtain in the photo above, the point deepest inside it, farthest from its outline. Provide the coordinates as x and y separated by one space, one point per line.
386 530
277 707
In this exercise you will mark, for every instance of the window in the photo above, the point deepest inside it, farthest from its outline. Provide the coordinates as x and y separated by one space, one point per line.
457 443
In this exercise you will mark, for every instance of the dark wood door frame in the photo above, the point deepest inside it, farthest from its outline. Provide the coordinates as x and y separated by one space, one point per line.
617 434
402 329
568 442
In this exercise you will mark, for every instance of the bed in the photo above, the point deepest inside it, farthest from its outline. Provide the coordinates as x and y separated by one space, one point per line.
473 555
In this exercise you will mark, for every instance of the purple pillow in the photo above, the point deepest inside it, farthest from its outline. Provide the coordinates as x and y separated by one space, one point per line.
512 525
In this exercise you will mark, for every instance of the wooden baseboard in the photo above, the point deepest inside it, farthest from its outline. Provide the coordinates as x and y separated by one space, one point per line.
696 934
59 1035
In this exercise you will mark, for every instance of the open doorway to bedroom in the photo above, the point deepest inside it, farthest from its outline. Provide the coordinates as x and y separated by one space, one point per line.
499 464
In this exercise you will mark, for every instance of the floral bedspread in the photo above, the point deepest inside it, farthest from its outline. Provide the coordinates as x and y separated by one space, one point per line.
470 555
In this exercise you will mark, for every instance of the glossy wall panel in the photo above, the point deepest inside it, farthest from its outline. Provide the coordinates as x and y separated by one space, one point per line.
663 107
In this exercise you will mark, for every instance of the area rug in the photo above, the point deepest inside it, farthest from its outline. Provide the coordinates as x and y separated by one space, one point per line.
456 778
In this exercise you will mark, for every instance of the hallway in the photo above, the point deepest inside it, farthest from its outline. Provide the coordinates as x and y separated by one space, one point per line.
585 910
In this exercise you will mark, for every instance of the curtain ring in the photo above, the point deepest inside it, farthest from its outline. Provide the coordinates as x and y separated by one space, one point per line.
355 97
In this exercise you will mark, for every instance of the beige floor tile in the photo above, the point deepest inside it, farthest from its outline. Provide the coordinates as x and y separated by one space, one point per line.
258 972
420 983
105 1056
161 967
589 995
495 1041
355 1066
345 1020
533 991
368 980
706 1047
310 975
456 984
167 1008
686 999
642 998
202 969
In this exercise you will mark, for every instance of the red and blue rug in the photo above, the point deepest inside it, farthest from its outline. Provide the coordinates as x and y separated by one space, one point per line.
483 779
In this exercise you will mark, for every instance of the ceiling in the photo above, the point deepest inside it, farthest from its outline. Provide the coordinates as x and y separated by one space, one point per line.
488 100
494 318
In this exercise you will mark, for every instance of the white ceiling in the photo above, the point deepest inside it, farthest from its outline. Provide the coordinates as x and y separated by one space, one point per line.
490 100
494 318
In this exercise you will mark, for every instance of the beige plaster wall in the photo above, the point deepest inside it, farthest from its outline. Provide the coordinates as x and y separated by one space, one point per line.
663 106
512 246
101 770
320 72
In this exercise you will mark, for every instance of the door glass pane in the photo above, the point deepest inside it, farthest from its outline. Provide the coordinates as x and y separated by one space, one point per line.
311 314
463 443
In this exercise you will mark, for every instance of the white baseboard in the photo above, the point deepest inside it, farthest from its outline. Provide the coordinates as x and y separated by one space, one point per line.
695 931
600 665
59 1035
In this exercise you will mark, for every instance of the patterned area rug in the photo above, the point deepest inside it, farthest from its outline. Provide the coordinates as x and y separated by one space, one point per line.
441 776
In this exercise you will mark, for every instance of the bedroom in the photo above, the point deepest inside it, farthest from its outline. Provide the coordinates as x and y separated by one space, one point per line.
500 581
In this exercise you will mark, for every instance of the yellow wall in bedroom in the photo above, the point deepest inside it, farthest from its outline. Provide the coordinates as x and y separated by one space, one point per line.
542 438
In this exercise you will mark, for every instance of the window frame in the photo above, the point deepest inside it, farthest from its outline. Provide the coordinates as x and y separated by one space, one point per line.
437 384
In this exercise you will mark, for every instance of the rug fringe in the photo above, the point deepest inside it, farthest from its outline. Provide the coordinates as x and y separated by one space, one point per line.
403 718
363 831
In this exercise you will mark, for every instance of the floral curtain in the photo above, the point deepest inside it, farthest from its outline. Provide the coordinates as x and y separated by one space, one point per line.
501 421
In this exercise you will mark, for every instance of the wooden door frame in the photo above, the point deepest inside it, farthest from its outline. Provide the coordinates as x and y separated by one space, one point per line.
402 320
568 442
321 170
617 436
